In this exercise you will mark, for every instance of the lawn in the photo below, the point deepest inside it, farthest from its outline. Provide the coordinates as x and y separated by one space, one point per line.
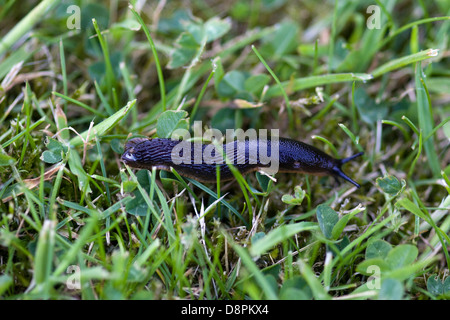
80 78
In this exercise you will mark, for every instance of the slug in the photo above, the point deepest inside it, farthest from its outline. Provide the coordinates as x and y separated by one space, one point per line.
198 161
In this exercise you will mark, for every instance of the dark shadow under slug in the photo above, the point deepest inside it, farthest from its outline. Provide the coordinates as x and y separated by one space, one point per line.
198 161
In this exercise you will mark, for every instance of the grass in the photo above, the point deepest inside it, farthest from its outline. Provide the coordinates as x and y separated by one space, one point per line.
76 223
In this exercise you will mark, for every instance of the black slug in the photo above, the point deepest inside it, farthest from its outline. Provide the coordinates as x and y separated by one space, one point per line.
199 161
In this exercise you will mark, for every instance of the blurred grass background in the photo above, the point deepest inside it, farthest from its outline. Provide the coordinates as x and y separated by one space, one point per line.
78 78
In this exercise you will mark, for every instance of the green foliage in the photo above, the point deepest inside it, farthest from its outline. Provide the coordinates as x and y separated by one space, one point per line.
438 287
5 160
76 223
278 235
378 249
297 199
170 121
190 41
138 206
391 185
231 84
398 263
55 153
391 289
369 111
327 219
282 42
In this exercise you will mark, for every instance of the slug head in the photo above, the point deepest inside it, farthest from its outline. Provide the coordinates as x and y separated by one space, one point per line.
133 151
337 171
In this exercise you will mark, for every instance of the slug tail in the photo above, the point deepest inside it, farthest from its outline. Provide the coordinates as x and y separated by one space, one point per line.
337 171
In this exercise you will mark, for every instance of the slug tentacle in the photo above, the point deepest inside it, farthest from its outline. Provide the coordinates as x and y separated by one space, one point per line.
345 160
337 171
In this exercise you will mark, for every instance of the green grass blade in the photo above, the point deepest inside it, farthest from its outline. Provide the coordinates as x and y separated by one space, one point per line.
200 96
62 58
44 259
75 247
279 85
268 290
103 127
279 235
20 29
426 122
315 81
317 289
155 56
81 104
404 61
409 26
110 77
332 37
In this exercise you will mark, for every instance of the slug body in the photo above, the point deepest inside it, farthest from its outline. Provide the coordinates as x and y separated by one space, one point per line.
199 161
